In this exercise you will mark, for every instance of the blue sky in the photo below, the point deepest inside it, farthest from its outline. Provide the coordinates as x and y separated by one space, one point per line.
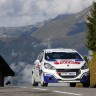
26 12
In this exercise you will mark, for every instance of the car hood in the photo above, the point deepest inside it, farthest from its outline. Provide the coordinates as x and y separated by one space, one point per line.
66 64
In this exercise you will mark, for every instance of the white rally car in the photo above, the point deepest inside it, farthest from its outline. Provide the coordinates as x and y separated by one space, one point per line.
58 66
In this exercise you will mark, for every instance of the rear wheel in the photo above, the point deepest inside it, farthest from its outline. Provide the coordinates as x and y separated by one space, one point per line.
72 84
33 82
42 81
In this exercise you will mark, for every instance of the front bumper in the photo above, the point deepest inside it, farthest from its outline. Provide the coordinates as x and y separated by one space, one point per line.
50 78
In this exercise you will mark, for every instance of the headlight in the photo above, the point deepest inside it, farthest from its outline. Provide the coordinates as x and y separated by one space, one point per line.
85 66
48 66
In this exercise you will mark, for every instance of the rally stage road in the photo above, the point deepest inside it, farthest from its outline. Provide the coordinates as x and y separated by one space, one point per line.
47 91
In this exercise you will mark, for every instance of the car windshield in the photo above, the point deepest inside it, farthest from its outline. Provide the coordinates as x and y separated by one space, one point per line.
62 55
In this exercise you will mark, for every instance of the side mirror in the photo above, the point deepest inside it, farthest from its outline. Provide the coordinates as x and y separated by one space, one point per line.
37 62
86 59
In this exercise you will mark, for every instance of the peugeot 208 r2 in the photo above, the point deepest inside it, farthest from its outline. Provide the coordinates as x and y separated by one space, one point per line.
58 66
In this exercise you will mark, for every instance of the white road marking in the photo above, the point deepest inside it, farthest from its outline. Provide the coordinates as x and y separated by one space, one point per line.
68 93
22 87
35 88
40 89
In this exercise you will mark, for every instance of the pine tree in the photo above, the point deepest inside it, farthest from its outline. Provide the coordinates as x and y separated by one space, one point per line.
91 28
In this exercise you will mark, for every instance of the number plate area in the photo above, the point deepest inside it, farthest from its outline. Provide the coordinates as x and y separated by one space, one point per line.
68 73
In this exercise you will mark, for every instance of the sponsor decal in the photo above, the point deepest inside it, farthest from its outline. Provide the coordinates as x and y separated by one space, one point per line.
66 62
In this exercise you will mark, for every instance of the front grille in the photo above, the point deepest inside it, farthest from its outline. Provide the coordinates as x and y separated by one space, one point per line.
69 70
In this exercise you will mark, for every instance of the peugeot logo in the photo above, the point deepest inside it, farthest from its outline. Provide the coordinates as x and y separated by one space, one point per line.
67 65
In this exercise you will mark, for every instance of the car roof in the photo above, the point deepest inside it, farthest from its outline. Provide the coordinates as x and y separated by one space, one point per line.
59 50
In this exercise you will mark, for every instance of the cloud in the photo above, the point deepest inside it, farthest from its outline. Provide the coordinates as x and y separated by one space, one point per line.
23 74
25 12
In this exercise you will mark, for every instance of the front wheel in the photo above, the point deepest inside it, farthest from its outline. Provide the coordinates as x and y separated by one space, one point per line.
86 84
42 81
72 84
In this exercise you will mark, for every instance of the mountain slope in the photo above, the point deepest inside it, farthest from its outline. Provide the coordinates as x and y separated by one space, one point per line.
66 31
70 25
18 31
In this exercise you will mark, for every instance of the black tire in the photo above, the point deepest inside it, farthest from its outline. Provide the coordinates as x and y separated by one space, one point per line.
86 85
35 84
72 84
43 84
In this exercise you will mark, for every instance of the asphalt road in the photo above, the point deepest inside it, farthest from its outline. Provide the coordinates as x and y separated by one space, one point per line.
47 91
